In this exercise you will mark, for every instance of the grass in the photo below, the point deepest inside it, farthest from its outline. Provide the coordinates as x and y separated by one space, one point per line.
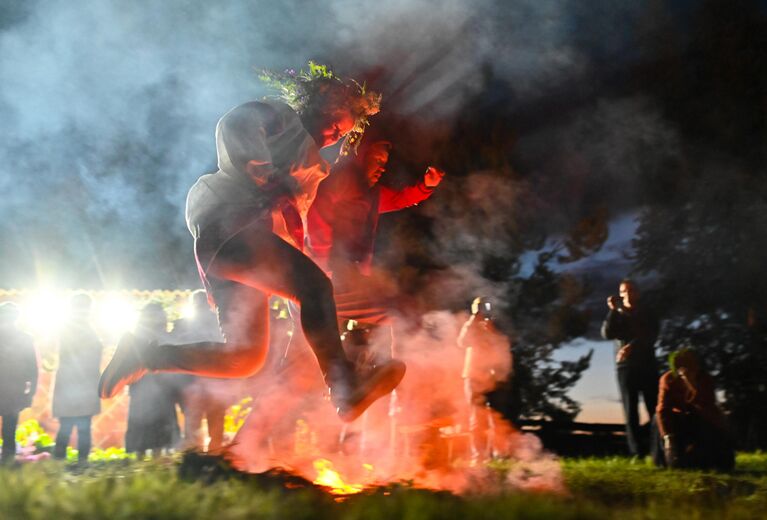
598 488
644 491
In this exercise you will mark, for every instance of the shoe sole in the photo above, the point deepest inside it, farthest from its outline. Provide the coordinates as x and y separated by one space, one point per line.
388 379
108 387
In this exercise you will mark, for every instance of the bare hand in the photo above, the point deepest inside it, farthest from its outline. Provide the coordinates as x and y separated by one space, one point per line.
260 172
433 177
613 302
623 354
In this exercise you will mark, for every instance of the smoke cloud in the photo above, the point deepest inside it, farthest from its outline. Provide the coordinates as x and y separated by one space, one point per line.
109 109
421 433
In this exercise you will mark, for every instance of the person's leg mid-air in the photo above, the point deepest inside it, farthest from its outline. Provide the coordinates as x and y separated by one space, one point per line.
248 268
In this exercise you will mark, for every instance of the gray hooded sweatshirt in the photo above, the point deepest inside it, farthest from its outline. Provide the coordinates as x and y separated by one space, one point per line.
265 159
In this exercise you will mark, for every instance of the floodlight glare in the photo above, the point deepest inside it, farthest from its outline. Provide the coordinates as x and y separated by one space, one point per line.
43 312
116 315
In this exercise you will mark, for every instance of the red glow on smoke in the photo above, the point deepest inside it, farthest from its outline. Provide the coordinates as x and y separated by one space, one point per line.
420 434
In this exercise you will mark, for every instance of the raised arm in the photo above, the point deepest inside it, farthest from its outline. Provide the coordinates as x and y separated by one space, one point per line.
393 200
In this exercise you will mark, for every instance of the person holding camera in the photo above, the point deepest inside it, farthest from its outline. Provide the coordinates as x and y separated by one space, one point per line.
487 364
635 329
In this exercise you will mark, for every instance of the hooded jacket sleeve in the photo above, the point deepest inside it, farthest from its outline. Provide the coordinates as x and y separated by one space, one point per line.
393 200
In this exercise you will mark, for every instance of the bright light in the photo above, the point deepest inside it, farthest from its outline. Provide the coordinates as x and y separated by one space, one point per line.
188 310
43 312
115 315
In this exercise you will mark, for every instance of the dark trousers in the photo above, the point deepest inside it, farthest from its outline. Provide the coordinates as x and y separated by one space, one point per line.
83 424
699 445
252 265
631 383
10 422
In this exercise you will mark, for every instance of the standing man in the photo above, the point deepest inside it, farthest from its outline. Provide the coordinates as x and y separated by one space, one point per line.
152 420
18 376
75 394
487 363
635 329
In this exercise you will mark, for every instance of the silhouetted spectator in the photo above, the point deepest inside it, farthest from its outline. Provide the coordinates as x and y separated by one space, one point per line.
487 362
635 328
75 393
691 431
152 421
18 376
202 397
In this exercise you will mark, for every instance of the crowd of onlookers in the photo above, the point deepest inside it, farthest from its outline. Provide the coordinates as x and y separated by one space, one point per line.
152 425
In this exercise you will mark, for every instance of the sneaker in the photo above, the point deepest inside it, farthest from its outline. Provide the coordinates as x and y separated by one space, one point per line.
124 369
369 387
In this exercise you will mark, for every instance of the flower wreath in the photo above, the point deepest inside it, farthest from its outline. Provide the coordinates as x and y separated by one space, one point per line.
301 90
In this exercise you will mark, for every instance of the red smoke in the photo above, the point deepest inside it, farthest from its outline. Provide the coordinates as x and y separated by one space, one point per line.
420 434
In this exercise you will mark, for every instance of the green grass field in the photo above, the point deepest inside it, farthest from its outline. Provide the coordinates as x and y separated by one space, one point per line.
597 488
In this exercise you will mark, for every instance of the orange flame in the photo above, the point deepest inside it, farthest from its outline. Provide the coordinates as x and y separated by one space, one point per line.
329 478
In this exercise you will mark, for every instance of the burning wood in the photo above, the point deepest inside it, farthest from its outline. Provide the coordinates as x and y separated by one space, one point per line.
331 479
421 435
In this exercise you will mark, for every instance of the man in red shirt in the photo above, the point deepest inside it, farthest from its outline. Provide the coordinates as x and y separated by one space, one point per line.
342 225
18 376
634 326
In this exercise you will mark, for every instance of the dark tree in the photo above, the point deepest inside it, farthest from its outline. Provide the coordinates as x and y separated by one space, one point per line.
704 238
708 254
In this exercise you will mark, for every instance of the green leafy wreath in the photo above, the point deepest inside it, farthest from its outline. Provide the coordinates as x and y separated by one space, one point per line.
303 88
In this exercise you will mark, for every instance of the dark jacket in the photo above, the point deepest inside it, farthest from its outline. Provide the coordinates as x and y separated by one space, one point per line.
152 420
18 366
343 219
75 392
637 327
